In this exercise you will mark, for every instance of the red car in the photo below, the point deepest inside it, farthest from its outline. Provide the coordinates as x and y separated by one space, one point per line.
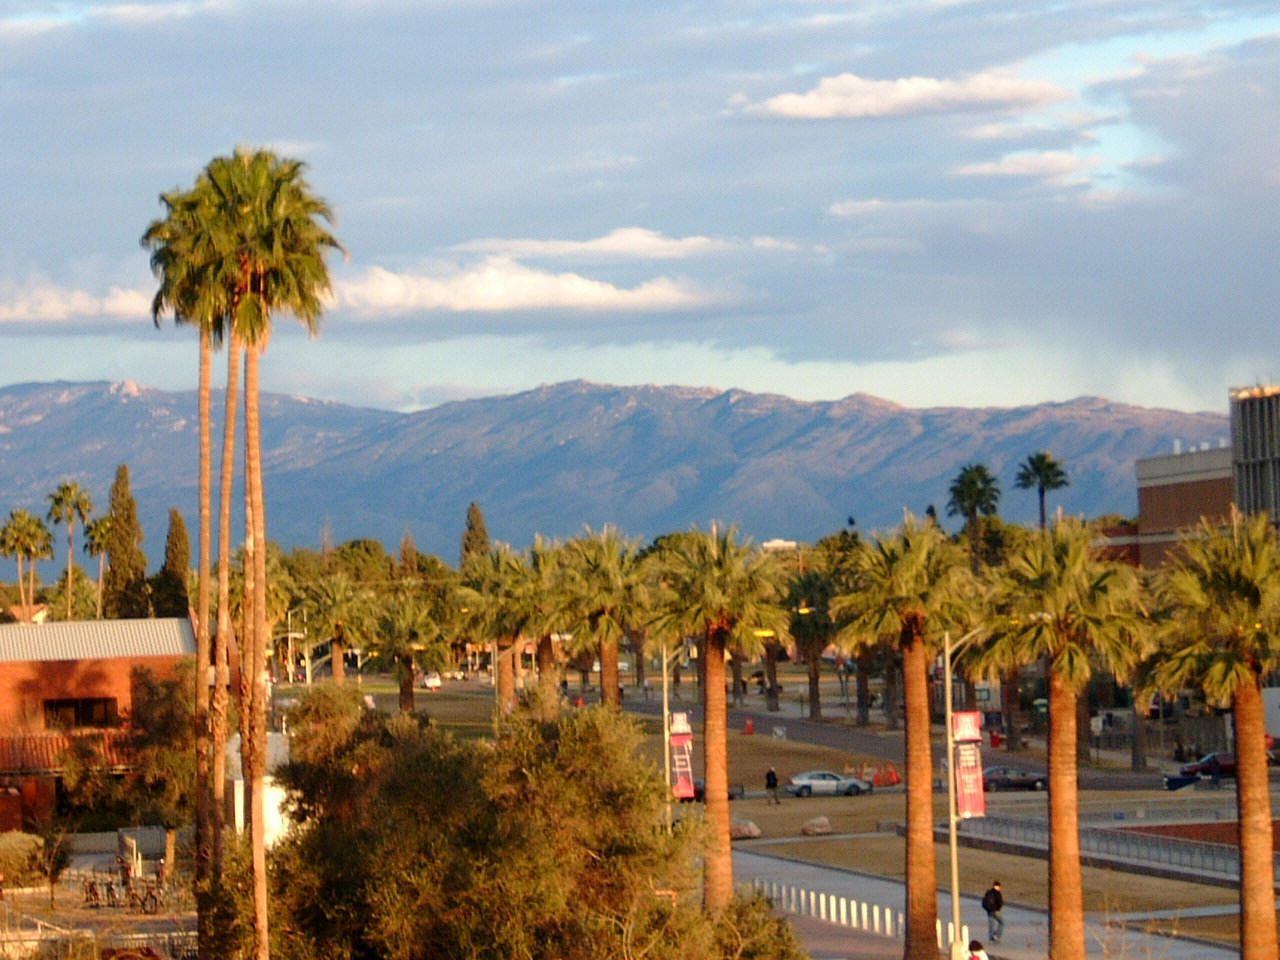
1211 764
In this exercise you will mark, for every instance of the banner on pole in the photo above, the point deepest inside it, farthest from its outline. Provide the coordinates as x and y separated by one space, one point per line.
966 725
970 800
681 747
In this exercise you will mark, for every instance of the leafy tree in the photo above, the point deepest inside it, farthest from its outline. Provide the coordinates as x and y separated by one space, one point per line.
364 561
25 538
1043 472
973 493
475 537
1221 633
68 503
124 588
720 589
1058 601
911 586
169 587
809 602
161 784
417 845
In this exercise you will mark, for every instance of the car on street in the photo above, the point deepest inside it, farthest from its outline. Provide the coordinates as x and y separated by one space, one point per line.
431 681
815 783
1010 778
736 791
1211 764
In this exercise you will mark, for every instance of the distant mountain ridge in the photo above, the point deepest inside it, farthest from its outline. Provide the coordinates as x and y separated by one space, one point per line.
649 459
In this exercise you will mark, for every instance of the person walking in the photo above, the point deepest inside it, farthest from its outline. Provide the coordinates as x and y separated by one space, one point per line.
976 951
993 903
771 785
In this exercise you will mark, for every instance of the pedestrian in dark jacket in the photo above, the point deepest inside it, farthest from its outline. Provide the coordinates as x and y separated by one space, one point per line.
771 785
993 903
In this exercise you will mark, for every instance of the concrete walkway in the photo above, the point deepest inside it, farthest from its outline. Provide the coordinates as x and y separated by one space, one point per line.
1026 935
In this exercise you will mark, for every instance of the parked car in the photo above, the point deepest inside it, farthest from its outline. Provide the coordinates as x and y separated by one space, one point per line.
1211 764
1008 778
825 782
431 681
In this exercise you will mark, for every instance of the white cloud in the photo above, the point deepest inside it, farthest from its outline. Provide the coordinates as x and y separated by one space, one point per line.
501 284
622 242
1051 165
856 208
848 95
44 302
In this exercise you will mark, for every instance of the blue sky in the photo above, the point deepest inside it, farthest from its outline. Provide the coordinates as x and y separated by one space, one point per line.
936 201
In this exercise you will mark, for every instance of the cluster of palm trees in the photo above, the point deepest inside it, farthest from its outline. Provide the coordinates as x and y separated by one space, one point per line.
25 537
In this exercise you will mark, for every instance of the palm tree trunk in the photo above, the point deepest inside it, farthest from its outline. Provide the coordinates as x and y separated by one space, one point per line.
718 889
1009 693
610 688
922 898
204 912
1253 799
102 563
1138 738
406 686
258 633
1066 893
739 686
218 701
771 676
71 527
548 678
863 687
814 664
22 590
505 659
337 658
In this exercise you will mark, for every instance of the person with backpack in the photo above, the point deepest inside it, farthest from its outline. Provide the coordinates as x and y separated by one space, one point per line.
993 903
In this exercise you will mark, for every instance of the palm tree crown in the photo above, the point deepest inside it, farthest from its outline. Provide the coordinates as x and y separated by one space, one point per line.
1042 471
67 503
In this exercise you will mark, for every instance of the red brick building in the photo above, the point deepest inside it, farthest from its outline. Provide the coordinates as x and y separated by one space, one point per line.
70 678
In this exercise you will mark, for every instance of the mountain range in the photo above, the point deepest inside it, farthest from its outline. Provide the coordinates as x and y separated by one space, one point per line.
649 459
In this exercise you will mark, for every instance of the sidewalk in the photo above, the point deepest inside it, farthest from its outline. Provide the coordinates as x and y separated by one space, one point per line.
1026 934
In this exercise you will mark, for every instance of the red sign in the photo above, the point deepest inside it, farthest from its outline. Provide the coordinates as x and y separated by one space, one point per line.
970 800
681 746
966 725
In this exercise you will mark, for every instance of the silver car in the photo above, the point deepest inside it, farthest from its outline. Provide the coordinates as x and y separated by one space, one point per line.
825 782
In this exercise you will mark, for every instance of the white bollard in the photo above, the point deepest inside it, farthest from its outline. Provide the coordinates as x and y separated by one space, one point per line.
964 933
902 925
863 925
822 906
875 918
938 924
844 911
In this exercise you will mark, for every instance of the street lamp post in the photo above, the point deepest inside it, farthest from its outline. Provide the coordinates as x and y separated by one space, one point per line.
958 947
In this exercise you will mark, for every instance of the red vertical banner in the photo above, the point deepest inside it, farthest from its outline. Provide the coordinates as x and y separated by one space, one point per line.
970 800
966 725
680 744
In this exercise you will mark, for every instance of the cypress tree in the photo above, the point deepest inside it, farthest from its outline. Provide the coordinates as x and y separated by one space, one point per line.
169 588
124 586
475 538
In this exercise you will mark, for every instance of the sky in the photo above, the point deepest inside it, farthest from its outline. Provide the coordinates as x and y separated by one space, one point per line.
939 202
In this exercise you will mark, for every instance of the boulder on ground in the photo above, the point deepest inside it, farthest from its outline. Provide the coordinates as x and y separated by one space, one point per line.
743 830
817 827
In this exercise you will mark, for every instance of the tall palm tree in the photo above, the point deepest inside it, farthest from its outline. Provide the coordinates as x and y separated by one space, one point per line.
604 590
1222 634
725 592
25 538
910 587
267 228
66 503
182 254
504 608
1057 600
974 492
97 536
408 638
339 610
1043 472
809 601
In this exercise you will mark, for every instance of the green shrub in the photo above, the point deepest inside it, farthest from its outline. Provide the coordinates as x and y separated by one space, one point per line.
20 859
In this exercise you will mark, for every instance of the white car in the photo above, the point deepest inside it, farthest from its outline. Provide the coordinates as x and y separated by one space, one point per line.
431 681
813 783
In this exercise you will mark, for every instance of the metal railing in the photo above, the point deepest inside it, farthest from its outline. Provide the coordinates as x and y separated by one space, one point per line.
1215 860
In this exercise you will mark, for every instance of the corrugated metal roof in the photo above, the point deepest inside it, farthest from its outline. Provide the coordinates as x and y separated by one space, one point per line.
96 639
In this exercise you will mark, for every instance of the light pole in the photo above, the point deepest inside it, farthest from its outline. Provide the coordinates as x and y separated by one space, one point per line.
959 949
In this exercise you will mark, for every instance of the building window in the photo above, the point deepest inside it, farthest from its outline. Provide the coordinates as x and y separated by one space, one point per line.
85 712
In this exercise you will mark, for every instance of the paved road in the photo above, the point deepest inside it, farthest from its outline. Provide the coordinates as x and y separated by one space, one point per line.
1026 930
